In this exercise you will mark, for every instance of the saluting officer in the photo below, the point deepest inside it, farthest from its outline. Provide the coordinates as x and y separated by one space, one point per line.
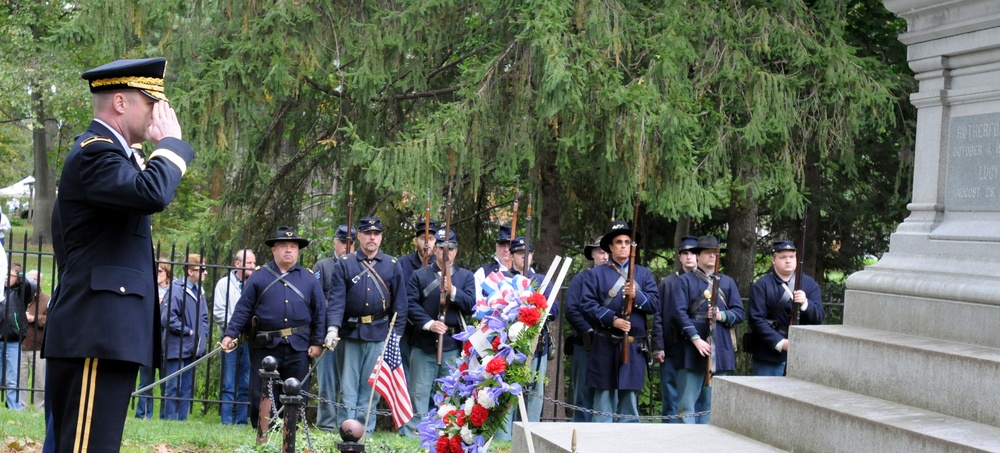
583 332
286 303
424 312
424 243
368 289
327 368
104 316
666 335
616 385
691 295
771 299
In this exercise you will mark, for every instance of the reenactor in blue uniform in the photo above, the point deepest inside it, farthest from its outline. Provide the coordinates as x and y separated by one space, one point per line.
583 333
424 312
501 259
771 299
410 263
327 370
283 306
691 294
368 289
616 385
666 334
104 317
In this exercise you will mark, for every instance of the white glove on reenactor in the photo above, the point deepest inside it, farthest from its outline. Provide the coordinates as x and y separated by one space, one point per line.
331 337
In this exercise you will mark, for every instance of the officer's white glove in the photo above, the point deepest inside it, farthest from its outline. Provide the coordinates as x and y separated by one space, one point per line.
331 337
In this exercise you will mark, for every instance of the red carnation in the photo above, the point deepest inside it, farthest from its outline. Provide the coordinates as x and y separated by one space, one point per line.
479 415
463 367
467 348
442 445
496 366
529 316
538 300
456 445
496 343
460 420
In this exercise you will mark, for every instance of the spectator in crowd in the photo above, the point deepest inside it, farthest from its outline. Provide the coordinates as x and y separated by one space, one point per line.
147 374
32 363
13 325
235 363
186 322
4 228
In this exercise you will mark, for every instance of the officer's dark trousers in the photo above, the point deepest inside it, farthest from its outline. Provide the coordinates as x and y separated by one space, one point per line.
88 400
291 363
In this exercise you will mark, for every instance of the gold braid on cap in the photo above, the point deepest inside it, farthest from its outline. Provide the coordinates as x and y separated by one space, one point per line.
145 83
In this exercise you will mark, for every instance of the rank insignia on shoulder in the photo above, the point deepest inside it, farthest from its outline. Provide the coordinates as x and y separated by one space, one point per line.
256 268
394 261
343 257
310 270
95 139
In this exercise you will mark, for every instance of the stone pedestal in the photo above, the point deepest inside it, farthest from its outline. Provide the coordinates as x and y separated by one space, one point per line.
912 367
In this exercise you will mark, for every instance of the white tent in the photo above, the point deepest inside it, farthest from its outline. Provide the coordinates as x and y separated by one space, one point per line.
20 189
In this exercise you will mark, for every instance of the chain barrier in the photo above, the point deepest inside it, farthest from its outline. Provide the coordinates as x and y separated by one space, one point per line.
305 427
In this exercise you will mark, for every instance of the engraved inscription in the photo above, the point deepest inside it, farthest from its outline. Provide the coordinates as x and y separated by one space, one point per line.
973 163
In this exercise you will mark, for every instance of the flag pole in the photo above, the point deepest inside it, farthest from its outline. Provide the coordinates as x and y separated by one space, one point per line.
378 371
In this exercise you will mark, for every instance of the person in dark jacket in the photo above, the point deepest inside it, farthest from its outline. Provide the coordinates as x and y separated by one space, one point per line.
186 323
770 309
691 295
327 369
13 327
104 319
284 304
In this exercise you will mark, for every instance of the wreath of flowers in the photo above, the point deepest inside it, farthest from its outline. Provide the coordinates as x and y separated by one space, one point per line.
473 400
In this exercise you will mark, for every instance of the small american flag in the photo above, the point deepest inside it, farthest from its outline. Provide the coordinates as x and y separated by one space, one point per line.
391 382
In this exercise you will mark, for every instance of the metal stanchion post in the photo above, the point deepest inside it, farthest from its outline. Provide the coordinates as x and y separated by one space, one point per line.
291 400
268 376
350 431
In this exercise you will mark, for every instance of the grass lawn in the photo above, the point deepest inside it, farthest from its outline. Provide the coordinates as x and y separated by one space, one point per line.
24 431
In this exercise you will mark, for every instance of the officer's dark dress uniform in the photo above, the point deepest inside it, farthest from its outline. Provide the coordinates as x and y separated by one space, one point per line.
770 308
104 317
603 300
362 308
292 321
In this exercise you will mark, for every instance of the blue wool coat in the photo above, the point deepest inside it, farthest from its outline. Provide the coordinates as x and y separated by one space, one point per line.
687 292
605 370
281 307
423 308
769 317
185 319
356 293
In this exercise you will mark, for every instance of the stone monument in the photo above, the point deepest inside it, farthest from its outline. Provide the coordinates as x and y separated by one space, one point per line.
917 361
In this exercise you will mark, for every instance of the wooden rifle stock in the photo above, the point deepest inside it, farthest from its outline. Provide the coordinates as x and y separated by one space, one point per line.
793 317
445 264
713 303
350 218
427 230
629 298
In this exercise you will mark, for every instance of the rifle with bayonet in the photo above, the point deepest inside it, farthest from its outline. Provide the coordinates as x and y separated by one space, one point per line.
445 264
427 230
793 319
629 297
350 218
527 239
713 304
513 224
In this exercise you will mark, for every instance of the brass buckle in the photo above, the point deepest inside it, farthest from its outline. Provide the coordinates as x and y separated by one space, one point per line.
286 332
367 319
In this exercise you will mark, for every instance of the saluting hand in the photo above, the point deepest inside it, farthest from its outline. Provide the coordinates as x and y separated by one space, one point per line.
164 123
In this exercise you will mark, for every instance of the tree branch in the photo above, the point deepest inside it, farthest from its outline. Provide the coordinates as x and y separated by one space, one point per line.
420 94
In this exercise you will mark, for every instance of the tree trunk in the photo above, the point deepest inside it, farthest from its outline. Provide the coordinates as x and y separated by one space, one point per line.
546 249
742 240
812 265
44 188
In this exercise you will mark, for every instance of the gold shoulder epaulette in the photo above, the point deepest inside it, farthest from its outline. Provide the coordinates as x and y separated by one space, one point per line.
343 257
256 268
308 270
394 259
95 139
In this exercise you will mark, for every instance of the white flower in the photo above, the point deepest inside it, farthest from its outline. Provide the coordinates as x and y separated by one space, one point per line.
514 331
445 409
485 399
469 403
467 435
